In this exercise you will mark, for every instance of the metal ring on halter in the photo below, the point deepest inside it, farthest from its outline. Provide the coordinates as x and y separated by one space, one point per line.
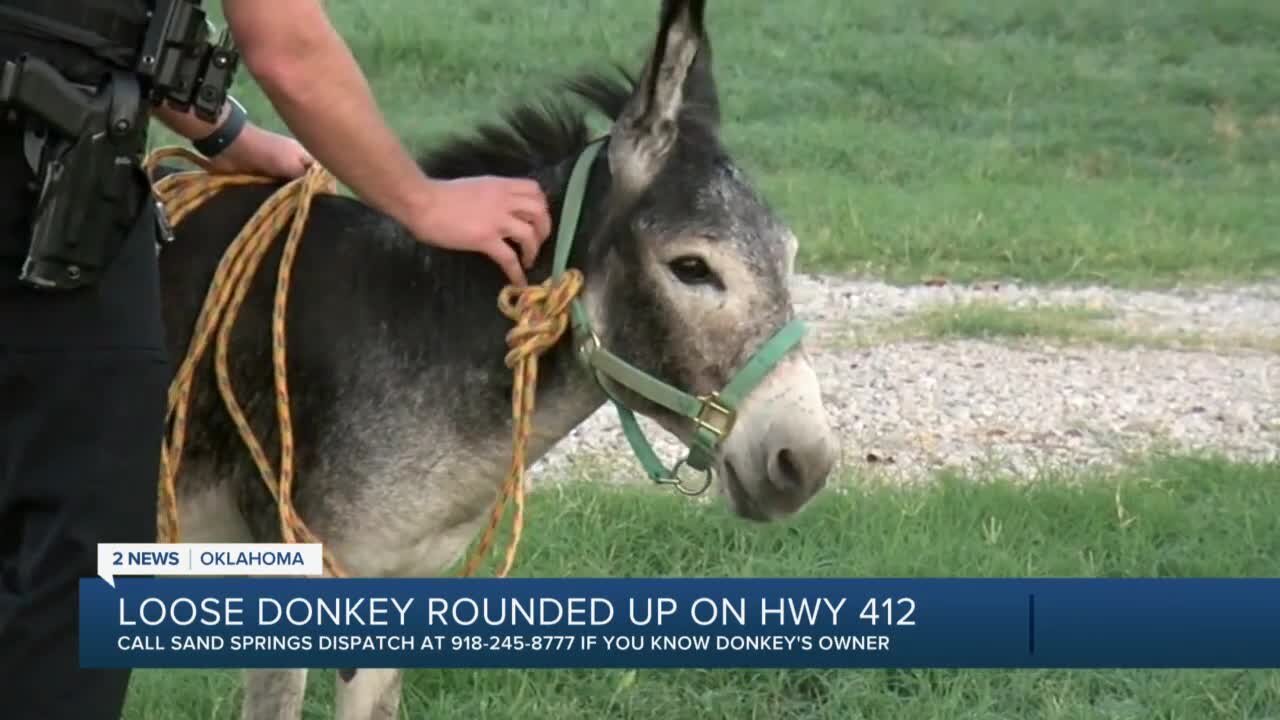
680 484
588 346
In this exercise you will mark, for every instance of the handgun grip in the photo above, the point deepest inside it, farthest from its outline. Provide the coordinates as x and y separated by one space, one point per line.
39 87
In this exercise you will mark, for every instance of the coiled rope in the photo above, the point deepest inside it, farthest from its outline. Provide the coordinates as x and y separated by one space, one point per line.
540 313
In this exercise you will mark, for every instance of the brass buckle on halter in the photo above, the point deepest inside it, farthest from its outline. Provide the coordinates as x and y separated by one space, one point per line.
712 409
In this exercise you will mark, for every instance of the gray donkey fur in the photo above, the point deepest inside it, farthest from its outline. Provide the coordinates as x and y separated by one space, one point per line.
400 397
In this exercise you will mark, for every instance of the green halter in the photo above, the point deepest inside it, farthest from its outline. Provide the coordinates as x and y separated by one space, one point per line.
713 415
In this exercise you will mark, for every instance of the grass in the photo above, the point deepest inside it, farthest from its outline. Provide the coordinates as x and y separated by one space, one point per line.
985 320
1131 143
1059 324
1168 517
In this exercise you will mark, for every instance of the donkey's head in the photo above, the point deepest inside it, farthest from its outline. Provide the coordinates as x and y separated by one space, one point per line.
687 276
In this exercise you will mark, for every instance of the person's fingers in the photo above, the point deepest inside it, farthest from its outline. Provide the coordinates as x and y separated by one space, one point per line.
526 187
285 167
522 233
502 254
297 166
535 213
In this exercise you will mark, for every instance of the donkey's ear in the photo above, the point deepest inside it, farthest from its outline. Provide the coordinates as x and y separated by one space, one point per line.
677 74
700 96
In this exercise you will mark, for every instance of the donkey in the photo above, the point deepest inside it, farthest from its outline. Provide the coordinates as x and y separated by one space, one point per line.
400 397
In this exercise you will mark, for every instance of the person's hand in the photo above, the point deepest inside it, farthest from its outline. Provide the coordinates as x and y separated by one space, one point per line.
261 152
480 214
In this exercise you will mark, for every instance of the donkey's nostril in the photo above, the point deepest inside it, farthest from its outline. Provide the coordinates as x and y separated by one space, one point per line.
805 468
783 471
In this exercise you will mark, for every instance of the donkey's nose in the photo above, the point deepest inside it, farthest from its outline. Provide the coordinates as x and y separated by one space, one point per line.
802 466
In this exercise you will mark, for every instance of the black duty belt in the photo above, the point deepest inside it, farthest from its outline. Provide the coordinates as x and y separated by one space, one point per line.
171 51
84 146
98 29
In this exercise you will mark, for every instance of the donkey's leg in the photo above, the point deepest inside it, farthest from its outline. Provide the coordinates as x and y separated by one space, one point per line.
207 507
271 694
372 694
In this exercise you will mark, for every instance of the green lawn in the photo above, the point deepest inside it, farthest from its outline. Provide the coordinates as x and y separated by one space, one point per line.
1134 143
1059 324
1166 517
988 320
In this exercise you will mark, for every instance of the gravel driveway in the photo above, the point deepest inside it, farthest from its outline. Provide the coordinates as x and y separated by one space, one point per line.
908 406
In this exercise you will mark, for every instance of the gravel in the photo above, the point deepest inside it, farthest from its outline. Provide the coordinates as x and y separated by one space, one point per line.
906 408
1228 313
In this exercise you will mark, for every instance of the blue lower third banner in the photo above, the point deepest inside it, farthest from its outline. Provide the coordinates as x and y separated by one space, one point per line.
679 622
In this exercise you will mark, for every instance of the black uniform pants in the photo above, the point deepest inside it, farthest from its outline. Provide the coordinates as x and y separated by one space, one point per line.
83 376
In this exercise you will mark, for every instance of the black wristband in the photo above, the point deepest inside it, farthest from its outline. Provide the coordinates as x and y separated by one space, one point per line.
218 140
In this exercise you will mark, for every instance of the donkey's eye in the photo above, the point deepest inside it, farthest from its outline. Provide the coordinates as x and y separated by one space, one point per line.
693 270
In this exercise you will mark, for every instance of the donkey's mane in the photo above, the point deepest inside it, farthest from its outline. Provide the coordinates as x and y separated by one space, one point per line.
532 135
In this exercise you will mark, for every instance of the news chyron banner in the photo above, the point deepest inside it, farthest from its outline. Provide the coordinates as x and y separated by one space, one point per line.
271 607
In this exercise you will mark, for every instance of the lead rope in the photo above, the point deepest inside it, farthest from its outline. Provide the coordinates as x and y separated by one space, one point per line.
540 313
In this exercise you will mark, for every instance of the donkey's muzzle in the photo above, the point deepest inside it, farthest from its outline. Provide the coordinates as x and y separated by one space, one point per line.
799 462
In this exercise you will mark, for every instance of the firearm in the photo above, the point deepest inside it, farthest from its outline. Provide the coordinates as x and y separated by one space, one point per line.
85 156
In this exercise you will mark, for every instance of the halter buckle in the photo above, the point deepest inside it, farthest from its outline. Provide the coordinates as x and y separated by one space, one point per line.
711 411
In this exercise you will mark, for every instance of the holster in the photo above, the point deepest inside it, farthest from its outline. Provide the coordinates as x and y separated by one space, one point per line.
85 147
88 143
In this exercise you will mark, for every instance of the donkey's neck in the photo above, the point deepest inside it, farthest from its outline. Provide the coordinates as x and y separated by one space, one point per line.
454 348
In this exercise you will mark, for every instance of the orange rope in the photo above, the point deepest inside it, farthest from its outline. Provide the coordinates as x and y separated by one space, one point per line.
540 312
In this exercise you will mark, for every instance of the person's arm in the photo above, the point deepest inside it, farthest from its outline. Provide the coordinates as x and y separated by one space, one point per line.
253 150
309 74
306 69
187 124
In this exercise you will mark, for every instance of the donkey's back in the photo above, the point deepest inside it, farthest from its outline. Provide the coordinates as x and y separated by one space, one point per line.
369 335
